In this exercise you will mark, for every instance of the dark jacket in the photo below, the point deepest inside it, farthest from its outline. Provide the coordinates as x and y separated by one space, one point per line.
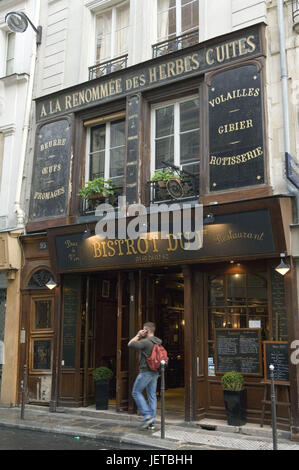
145 346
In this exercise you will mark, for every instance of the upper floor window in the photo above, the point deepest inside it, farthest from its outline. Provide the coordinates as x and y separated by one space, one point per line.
107 152
176 136
10 53
176 17
112 28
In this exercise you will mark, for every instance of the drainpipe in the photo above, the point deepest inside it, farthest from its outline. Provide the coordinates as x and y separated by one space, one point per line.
18 209
285 100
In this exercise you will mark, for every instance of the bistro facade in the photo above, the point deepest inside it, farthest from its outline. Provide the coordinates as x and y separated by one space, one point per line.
201 111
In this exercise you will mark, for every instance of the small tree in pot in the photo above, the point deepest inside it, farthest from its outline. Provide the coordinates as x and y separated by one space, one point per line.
102 376
235 398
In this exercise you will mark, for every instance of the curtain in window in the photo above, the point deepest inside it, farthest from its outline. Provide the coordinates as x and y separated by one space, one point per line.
121 31
103 37
189 15
164 18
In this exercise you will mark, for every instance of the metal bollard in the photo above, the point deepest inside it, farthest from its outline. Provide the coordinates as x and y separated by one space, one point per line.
23 383
273 406
162 399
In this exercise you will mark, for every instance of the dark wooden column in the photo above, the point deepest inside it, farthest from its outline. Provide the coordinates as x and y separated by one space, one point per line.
188 344
293 334
56 346
134 119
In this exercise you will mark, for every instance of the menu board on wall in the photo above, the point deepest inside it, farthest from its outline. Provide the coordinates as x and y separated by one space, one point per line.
236 129
50 182
276 353
279 312
238 350
71 304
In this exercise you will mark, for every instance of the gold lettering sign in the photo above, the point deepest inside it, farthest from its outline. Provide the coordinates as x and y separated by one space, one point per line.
191 63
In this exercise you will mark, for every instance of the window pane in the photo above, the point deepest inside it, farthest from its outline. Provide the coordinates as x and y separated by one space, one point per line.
43 314
164 121
103 37
189 115
190 16
118 133
164 151
98 138
42 355
257 287
236 289
117 162
216 291
189 147
97 165
166 19
122 30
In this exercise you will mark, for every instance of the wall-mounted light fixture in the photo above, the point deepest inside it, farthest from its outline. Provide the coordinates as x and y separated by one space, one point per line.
282 268
18 22
86 234
295 15
51 284
209 219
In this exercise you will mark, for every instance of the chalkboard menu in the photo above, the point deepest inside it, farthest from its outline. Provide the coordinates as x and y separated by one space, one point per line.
51 170
236 129
277 354
71 304
238 350
279 313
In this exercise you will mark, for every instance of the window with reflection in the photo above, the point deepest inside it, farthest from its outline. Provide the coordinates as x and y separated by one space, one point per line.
237 301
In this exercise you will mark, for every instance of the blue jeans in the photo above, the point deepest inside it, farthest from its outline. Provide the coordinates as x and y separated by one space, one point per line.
146 380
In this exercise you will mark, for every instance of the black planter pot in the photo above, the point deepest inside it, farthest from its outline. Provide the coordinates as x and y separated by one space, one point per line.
235 405
101 394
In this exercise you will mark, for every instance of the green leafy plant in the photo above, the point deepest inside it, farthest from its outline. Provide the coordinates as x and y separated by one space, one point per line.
233 381
102 374
165 174
97 186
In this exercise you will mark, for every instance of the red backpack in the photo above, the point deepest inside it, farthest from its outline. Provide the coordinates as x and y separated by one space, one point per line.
158 354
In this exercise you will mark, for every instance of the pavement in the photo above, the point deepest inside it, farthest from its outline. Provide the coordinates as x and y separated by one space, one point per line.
124 429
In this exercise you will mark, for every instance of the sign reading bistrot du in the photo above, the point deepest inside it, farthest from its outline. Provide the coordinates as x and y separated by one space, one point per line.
236 129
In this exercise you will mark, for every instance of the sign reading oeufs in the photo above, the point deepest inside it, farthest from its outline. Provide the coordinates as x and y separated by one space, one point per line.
236 129
51 170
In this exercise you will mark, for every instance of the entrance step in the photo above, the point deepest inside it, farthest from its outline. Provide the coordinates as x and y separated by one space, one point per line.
249 429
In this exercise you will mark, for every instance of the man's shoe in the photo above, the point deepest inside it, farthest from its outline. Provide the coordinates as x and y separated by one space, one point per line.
146 423
151 427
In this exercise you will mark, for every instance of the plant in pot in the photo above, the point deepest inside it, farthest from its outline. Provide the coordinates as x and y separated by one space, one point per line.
97 188
162 176
102 376
235 398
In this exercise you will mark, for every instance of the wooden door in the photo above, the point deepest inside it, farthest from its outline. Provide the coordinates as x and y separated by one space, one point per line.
123 325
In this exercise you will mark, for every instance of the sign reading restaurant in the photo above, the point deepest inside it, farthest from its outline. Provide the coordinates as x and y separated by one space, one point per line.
198 59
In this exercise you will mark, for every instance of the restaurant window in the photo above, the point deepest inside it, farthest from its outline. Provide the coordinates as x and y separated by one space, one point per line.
176 136
107 152
237 301
10 53
176 17
112 27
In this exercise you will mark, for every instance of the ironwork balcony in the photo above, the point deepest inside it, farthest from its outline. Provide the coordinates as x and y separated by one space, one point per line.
184 188
175 44
104 68
89 205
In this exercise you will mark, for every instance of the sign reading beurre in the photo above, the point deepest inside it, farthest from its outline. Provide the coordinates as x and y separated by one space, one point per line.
51 170
236 129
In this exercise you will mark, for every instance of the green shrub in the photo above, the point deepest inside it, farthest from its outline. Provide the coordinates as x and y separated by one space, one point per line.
165 175
97 186
232 381
102 374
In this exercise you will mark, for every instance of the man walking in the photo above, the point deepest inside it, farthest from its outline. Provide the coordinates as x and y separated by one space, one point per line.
147 379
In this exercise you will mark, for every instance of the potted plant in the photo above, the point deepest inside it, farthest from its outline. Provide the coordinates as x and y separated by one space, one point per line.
162 176
235 398
102 376
96 189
